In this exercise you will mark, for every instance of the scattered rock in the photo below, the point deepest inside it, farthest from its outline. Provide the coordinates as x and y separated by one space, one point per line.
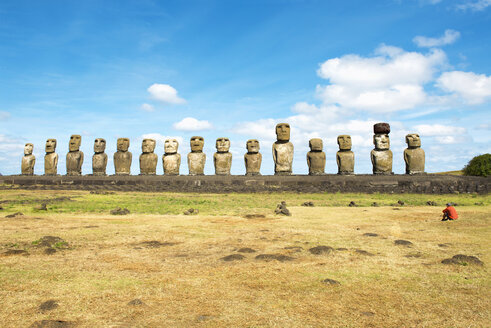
41 207
48 305
375 204
136 302
319 250
352 204
233 257
119 211
331 282
401 203
254 216
155 244
308 204
281 209
370 234
50 242
246 250
13 215
52 324
363 252
431 203
191 211
12 252
271 257
49 251
444 245
403 242
463 260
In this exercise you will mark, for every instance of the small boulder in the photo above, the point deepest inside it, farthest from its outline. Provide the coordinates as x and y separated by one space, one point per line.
331 282
120 211
431 203
48 305
375 204
352 204
308 204
402 242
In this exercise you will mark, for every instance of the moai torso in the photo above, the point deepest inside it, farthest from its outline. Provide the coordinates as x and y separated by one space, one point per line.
51 158
414 156
148 159
381 156
283 150
171 160
345 158
99 160
222 159
122 158
74 158
196 158
253 158
28 160
316 158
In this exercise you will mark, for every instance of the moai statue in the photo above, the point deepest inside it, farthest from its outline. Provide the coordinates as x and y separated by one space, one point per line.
222 158
381 156
148 159
283 150
253 158
51 158
196 158
345 157
99 160
122 158
316 158
171 160
74 158
414 156
28 161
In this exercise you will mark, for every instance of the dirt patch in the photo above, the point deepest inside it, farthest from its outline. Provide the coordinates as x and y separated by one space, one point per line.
14 215
12 252
48 305
370 234
414 255
50 242
330 282
320 250
120 211
402 242
255 216
461 259
52 324
233 257
136 302
272 257
246 250
155 244
363 252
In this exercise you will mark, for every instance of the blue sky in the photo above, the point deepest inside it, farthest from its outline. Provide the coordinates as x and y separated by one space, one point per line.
236 68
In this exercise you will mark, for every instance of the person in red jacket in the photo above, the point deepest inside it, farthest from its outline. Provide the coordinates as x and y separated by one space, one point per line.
450 213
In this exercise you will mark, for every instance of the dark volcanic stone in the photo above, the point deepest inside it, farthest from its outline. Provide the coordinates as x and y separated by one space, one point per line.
52 324
120 211
308 204
431 203
331 282
381 128
321 250
403 242
48 305
400 203
233 257
352 204
271 257
246 250
463 260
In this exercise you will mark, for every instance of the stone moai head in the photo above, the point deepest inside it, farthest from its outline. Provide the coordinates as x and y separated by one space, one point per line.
123 144
197 143
223 145
171 146
99 145
344 142
381 138
413 140
148 145
283 132
28 149
315 144
50 146
75 141
252 146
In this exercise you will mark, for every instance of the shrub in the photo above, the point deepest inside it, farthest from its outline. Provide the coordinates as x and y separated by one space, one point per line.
479 166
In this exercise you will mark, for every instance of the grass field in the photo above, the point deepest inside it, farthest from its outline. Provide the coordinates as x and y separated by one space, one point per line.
158 268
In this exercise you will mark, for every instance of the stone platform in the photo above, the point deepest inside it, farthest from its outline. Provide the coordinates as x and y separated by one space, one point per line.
427 184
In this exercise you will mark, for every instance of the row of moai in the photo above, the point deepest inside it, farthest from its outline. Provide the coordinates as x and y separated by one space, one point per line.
381 156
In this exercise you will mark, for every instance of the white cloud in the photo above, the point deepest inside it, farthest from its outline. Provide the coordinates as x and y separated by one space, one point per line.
192 124
473 88
439 130
165 93
449 37
4 115
147 107
478 5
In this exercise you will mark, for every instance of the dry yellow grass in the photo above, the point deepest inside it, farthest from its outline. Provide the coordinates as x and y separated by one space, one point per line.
185 283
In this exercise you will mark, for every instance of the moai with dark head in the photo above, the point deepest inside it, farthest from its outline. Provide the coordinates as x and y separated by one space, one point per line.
196 158
28 161
74 158
51 158
253 158
345 158
171 159
222 159
381 156
414 156
122 157
99 160
283 150
316 158
148 159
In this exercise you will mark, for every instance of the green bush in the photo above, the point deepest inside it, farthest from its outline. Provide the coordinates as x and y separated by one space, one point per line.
479 166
